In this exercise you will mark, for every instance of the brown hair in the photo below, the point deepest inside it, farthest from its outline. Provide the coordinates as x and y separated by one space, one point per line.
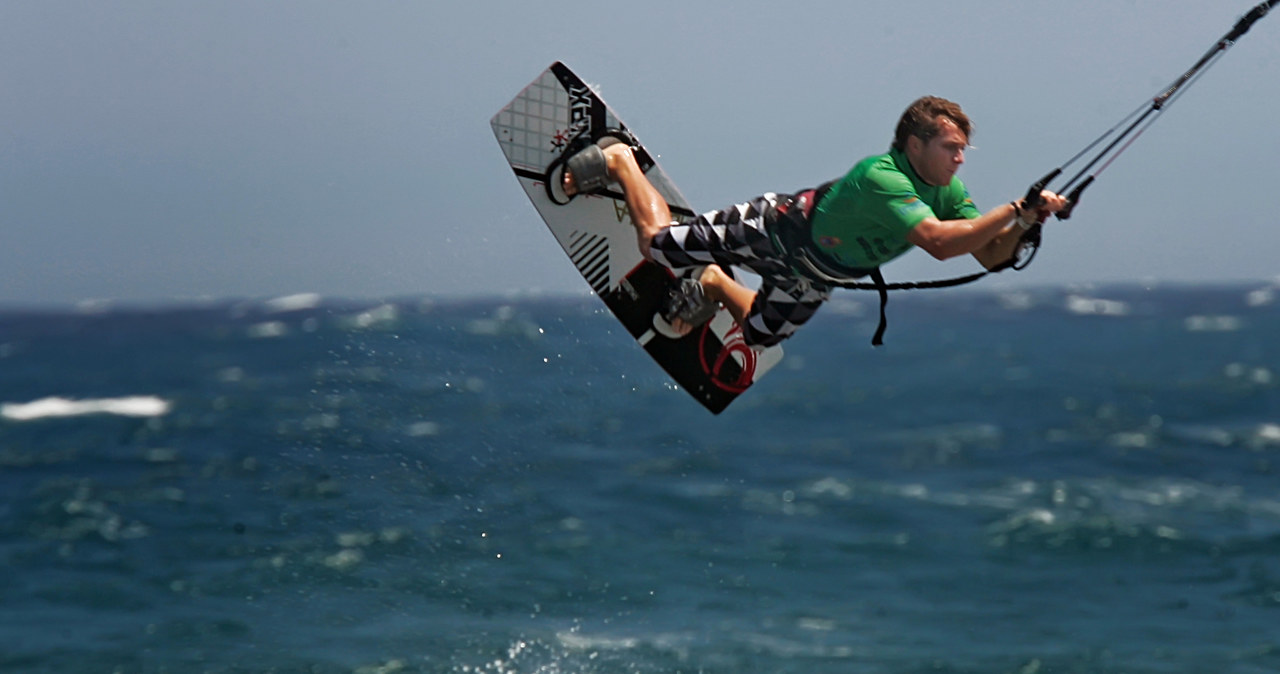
921 120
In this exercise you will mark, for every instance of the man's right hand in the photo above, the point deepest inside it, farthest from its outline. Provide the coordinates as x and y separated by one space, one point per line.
1050 203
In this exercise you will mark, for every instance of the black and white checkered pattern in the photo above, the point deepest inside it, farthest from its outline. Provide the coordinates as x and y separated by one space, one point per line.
738 237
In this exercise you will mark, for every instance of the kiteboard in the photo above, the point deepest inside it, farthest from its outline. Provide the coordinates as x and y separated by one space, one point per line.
556 114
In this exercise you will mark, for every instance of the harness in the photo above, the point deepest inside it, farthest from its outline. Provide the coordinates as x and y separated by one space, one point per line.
792 234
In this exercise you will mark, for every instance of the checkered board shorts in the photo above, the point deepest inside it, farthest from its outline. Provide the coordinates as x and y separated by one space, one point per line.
738 237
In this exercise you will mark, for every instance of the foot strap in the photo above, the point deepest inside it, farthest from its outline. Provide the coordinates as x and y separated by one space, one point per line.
688 302
585 159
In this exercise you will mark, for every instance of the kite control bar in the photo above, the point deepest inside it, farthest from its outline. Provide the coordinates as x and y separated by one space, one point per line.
1033 199
1157 105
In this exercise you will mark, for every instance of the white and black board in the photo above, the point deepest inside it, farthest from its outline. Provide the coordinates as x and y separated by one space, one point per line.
712 363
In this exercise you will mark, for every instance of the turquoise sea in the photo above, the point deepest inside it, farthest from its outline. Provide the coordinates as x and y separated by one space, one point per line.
1043 481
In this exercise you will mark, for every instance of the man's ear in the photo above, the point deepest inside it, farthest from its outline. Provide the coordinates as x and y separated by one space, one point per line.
914 146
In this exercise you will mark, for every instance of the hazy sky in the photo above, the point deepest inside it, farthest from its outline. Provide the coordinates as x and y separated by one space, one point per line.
156 151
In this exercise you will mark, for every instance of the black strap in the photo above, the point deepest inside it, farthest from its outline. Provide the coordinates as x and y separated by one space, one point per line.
878 338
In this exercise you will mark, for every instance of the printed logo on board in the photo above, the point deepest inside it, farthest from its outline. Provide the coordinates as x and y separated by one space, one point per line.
580 101
730 363
560 140
579 111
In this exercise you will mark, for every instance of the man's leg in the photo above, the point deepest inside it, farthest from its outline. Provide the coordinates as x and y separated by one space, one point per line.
650 215
720 287
649 211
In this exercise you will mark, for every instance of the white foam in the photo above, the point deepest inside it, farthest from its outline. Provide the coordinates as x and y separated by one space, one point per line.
1266 434
576 641
1016 301
268 330
130 406
1090 306
296 302
382 314
1260 297
1200 323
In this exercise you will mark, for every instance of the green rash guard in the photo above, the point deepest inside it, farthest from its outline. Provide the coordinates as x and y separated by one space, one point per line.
864 219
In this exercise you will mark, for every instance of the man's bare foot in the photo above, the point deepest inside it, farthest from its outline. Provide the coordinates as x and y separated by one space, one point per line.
612 155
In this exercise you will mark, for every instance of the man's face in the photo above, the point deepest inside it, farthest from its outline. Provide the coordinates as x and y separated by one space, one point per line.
938 160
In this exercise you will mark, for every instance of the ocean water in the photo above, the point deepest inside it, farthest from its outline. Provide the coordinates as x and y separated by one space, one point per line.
1043 481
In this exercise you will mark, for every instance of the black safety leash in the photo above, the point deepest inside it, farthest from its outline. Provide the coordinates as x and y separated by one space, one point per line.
1137 126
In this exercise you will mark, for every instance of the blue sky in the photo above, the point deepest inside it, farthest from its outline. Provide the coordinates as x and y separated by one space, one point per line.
159 151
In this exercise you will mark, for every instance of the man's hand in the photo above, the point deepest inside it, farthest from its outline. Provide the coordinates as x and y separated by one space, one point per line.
1050 203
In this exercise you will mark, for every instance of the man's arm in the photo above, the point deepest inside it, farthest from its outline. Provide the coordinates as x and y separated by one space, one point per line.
1000 249
991 237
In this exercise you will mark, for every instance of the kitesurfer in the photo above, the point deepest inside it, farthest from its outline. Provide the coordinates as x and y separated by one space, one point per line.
805 245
